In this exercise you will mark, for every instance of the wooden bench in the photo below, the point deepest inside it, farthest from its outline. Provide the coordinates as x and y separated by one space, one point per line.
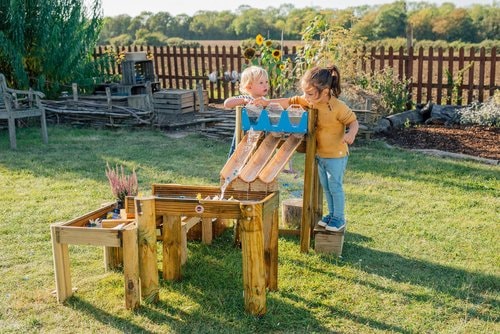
16 104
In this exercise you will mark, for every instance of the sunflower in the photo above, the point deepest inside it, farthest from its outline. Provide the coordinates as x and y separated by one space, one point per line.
249 53
277 54
269 43
259 39
282 67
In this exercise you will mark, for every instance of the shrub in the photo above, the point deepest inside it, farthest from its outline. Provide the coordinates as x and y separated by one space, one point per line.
393 92
485 114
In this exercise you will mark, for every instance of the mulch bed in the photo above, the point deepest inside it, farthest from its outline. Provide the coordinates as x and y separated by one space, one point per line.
477 141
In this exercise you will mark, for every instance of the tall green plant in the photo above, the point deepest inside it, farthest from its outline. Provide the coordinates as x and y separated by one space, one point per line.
48 44
326 44
454 84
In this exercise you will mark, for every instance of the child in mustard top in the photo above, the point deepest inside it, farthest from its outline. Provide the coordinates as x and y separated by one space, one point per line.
321 87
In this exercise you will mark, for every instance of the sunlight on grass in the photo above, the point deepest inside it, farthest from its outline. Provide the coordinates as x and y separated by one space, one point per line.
421 252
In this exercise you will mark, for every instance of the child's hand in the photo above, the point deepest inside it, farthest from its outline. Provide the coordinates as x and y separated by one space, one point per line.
349 137
261 101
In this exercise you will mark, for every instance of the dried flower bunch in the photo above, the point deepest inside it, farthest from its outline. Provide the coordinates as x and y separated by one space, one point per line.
121 185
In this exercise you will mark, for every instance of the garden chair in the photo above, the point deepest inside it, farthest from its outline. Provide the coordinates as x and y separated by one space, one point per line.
16 104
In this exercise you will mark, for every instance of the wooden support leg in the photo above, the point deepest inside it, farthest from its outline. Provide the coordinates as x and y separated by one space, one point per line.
45 135
272 282
148 269
12 132
131 267
254 272
61 267
271 230
206 231
172 248
308 193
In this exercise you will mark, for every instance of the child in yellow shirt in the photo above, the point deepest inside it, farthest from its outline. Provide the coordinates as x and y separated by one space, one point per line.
321 88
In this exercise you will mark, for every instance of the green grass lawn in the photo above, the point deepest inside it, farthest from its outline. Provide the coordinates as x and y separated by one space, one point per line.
421 253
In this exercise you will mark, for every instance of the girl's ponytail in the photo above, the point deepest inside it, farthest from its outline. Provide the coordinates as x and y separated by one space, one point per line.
335 81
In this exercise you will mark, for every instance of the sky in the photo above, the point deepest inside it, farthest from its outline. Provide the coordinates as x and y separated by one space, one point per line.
189 7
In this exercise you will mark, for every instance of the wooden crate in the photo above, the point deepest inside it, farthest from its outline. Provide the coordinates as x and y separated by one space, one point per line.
174 101
197 99
328 242
137 72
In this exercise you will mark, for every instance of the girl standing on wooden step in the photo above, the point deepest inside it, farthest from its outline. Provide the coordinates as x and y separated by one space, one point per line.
321 87
254 84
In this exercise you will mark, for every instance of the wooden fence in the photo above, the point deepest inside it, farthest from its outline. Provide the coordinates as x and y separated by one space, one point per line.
444 75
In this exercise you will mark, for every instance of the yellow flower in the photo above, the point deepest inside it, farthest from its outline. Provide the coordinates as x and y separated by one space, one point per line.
269 43
249 53
282 67
277 54
259 39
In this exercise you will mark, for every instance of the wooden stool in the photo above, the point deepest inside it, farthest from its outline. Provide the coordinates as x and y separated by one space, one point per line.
328 242
291 213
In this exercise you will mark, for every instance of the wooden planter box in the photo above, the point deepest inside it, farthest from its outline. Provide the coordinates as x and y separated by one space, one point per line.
116 234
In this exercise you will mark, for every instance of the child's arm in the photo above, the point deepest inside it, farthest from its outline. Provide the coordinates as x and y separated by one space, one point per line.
284 102
351 134
235 101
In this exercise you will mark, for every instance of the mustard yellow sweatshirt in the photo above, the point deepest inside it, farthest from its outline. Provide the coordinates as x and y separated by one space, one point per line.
331 125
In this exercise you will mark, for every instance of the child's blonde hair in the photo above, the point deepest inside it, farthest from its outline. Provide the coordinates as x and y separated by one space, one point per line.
249 75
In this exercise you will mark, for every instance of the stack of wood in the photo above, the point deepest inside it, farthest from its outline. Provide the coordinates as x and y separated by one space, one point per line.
212 123
93 113
222 125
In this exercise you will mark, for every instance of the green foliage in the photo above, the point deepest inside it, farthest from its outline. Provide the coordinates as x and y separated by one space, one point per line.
393 92
454 84
151 39
47 45
123 39
179 42
447 22
325 45
485 114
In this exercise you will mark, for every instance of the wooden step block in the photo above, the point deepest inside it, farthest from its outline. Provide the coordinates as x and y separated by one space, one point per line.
328 242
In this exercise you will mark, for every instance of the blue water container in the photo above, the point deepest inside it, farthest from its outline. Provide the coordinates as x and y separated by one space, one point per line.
263 122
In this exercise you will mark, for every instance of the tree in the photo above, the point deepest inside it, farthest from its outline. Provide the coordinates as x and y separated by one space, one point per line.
391 20
364 26
115 26
455 25
421 21
46 44
250 22
212 24
160 22
486 20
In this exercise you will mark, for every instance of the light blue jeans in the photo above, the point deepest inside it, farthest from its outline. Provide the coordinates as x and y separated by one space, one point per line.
331 176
